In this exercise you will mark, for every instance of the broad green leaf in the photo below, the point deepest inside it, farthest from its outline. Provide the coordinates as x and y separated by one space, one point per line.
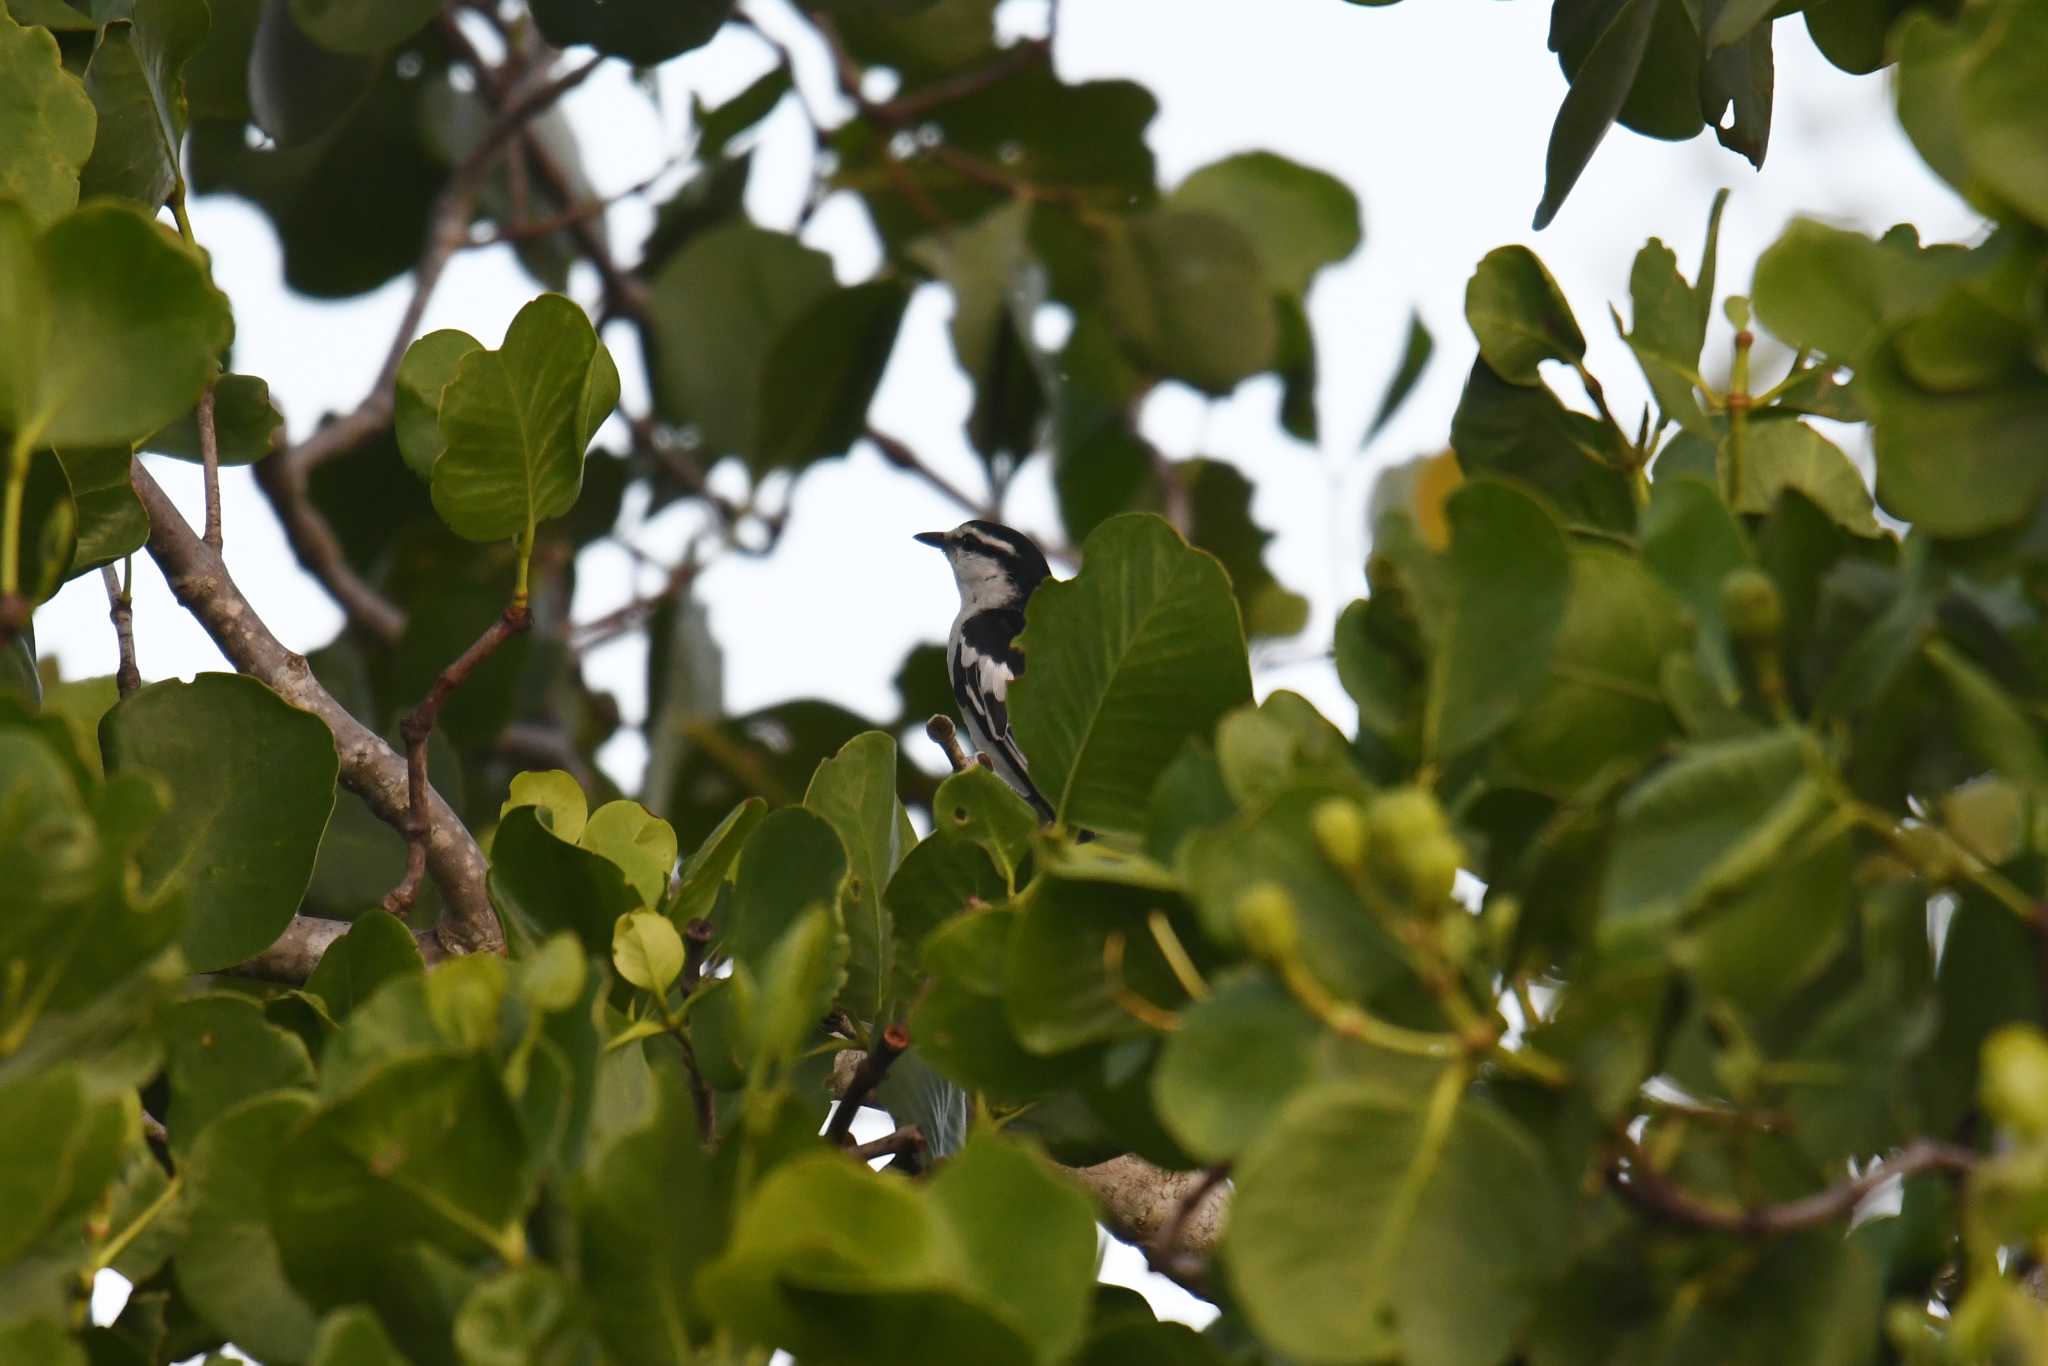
1219 501
523 1316
541 883
221 1052
1954 464
46 124
1101 464
977 805
819 376
644 32
855 792
793 861
943 876
1057 983
2005 130
1509 578
1598 90
799 977
60 1147
252 785
960 1023
1738 85
515 423
990 268
1364 1222
49 528
557 798
245 422
1791 455
710 867
1145 1342
1128 660
41 1340
228 1267
1415 354
1236 1060
1692 541
136 80
354 1336
377 948
719 307
1987 718
1670 329
1297 219
1188 293
1522 431
361 27
108 327
719 125
642 844
427 1150
1519 315
111 522
423 375
647 951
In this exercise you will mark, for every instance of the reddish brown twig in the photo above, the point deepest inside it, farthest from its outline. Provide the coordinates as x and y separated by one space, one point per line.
1633 1177
121 611
209 459
417 727
946 736
697 935
873 1068
906 1141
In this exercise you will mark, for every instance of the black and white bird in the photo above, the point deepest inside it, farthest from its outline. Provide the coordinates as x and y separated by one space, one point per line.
997 569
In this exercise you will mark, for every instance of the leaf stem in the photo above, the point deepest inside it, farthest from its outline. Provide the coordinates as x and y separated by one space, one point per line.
1429 1150
1739 402
111 1250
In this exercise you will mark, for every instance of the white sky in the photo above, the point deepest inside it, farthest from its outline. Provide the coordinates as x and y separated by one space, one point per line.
1436 113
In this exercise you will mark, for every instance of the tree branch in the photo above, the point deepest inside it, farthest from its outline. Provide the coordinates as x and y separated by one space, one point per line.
369 766
209 459
121 611
1139 1202
900 455
874 1065
906 1141
1633 1177
299 949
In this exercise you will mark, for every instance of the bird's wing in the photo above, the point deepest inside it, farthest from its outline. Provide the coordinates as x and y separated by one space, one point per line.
992 635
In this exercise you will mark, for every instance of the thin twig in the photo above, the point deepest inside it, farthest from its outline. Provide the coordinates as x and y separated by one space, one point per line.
926 99
370 768
121 611
587 635
697 936
209 459
908 1139
417 727
946 736
904 458
874 1066
1633 1176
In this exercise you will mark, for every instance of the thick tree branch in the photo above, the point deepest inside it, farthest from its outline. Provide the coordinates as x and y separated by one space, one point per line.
299 949
1635 1178
906 1141
369 766
1139 1203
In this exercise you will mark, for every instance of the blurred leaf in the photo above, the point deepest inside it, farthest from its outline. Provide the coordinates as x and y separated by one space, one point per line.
377 948
542 883
1188 293
1670 329
641 844
1791 455
990 269
1415 356
1235 1061
243 846
529 1314
794 860
1693 541
108 327
1138 652
355 1336
710 868
229 1266
1057 984
361 27
799 977
855 792
46 128
136 82
217 76
1742 75
1524 432
1297 219
1520 316
221 1052
111 522
515 423
716 128
1363 1223
819 376
299 89
647 951
1219 501
244 423
1101 464
1990 722
49 528
1599 87
941 877
644 32
720 306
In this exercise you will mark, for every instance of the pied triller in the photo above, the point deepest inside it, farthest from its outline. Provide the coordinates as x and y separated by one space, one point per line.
997 569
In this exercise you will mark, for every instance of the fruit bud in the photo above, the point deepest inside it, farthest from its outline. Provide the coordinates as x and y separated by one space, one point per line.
1340 829
1751 606
1266 921
2015 1079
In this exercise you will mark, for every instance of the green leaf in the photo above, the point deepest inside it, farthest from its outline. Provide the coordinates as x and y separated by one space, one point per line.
427 1150
1130 658
242 844
1693 542
1189 295
221 1052
977 805
542 883
1670 329
361 27
1599 88
525 1315
819 376
2005 131
1988 720
46 124
1219 501
647 951
644 32
1954 464
1235 1061
228 1267
355 1336
795 860
423 375
108 327
1364 1222
1524 432
111 522
717 127
1520 316
136 80
855 792
989 267
710 868
244 424
1777 456
799 977
556 797
1508 577
1415 354
377 948
1297 219
720 306
642 844
943 876
1742 75
1056 980
515 423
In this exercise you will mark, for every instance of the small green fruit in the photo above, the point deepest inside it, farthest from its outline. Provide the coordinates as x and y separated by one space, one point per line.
2015 1079
1412 847
1267 922
1751 606
1340 828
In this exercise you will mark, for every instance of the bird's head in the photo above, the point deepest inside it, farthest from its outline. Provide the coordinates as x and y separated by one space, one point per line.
994 565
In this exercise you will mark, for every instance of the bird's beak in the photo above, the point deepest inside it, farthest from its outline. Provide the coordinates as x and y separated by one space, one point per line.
935 539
